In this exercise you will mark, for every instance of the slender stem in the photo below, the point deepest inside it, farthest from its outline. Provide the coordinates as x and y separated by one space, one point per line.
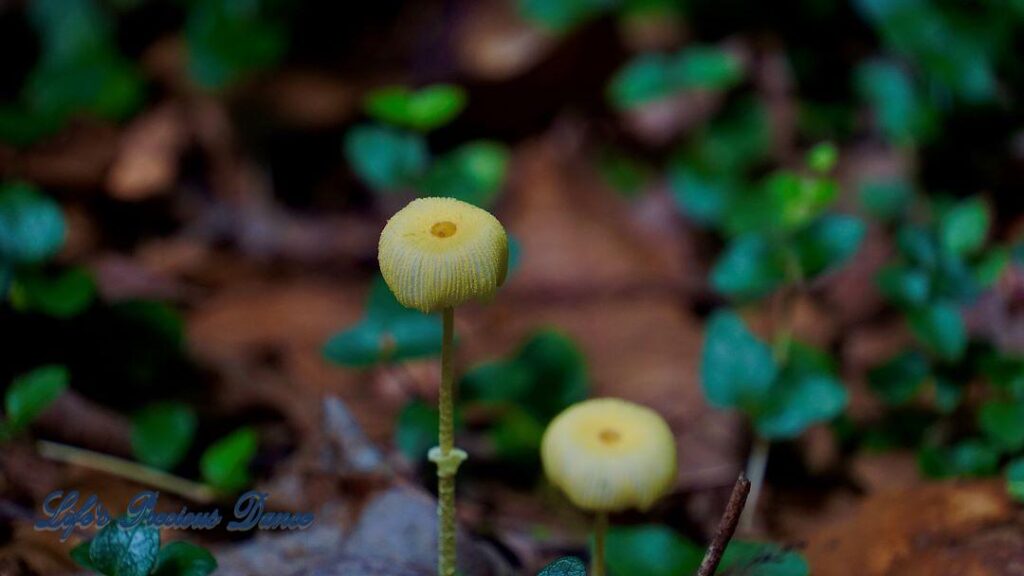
757 462
597 560
726 527
446 400
446 554
127 469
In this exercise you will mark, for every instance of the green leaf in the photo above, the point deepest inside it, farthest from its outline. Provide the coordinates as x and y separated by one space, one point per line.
228 40
823 157
903 285
737 369
389 332
963 229
184 559
162 434
225 464
562 15
424 109
416 430
625 174
900 378
80 555
805 393
32 393
918 246
651 77
1003 423
386 158
990 266
472 173
886 199
948 394
761 559
900 111
650 550
751 266
120 551
795 201
516 434
31 225
1015 479
940 327
737 139
970 458
828 243
64 296
565 566
702 195
158 318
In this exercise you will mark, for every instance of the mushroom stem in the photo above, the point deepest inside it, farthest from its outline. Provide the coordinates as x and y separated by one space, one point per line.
597 560
446 554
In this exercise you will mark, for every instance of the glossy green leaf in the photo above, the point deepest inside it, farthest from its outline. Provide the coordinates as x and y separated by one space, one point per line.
940 327
1003 423
228 41
651 550
31 225
806 392
706 68
562 15
651 77
473 173
424 109
225 464
416 430
389 332
63 296
704 196
990 266
903 285
900 111
32 393
828 243
886 199
162 434
120 551
964 228
566 566
751 266
184 559
761 559
900 378
970 459
823 157
737 370
386 158
1015 479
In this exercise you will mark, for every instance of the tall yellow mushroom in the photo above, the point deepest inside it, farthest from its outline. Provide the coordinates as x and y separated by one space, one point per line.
435 254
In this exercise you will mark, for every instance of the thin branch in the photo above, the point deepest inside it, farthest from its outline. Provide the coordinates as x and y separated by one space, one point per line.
127 469
726 527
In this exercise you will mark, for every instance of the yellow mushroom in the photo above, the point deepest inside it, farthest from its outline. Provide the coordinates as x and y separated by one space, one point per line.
608 455
437 253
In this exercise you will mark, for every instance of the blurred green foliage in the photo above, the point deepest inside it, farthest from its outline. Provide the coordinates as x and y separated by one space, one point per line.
512 400
225 464
162 434
655 76
656 550
29 395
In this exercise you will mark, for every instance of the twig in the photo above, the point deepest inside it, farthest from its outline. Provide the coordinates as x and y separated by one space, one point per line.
726 527
194 491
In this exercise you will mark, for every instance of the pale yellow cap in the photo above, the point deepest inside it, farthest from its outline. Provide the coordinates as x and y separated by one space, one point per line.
437 253
608 455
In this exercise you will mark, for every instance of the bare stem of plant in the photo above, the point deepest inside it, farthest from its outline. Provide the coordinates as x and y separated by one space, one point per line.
600 529
726 527
757 462
134 471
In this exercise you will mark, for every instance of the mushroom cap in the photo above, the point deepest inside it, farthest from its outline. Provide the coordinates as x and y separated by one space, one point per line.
437 253
608 455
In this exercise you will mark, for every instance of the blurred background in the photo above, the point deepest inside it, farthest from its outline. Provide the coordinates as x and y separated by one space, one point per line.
793 228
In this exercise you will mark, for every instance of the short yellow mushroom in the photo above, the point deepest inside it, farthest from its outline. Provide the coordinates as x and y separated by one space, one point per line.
609 455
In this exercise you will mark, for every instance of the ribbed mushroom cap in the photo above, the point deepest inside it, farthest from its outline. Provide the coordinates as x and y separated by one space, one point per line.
440 252
609 455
